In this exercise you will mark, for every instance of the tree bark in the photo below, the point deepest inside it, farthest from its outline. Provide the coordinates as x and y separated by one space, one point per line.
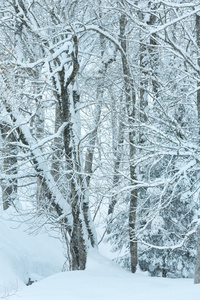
131 110
9 153
197 266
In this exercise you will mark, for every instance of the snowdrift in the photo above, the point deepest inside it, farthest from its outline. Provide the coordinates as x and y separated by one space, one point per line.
24 257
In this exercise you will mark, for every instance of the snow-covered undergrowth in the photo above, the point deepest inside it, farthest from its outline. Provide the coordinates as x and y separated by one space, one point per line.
41 258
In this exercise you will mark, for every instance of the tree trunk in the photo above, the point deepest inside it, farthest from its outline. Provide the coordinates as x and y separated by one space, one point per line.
78 244
9 153
78 247
131 110
197 266
82 229
118 141
57 146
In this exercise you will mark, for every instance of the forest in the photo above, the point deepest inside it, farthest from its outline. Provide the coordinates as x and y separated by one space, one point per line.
100 127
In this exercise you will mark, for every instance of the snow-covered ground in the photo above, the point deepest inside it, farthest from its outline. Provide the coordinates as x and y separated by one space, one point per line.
105 281
41 257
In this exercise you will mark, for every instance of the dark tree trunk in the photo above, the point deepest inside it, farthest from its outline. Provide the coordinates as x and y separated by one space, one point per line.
131 110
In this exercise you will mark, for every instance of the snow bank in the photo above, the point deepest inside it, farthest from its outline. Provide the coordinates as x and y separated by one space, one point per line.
24 256
103 280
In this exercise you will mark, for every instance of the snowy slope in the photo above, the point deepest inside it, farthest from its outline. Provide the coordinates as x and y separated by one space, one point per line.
23 256
105 281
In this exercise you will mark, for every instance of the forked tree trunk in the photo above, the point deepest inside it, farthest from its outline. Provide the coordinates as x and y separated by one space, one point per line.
78 247
82 235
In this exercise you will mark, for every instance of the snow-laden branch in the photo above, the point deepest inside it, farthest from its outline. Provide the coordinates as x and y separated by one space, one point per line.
176 20
50 137
179 5
40 165
171 247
